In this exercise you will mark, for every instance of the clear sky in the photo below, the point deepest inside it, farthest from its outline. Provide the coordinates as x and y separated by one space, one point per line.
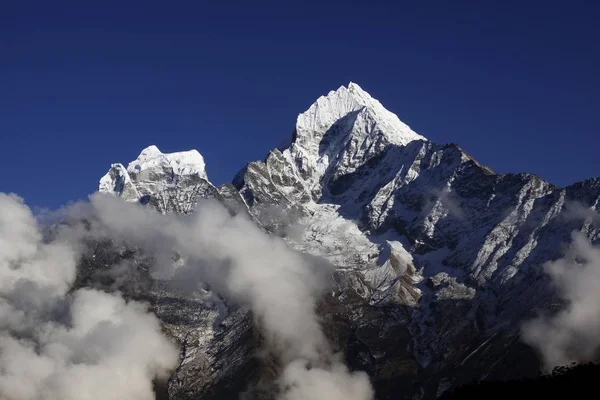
515 83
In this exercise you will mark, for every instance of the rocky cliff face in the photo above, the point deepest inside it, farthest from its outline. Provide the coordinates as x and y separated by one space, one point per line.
438 257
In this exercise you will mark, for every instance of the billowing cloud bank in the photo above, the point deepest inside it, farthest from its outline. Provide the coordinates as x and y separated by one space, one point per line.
57 345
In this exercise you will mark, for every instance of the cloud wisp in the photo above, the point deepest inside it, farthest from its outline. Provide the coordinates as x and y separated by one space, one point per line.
573 334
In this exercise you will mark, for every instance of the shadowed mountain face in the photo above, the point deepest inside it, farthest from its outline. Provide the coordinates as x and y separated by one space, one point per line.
438 258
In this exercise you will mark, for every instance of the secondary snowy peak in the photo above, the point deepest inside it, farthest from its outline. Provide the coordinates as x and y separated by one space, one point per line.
152 172
152 160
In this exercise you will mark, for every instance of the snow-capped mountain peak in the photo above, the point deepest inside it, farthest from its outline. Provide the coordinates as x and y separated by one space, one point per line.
315 122
339 133
438 259
151 158
152 172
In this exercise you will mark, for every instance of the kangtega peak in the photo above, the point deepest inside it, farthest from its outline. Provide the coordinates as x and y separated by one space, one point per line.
438 258
151 172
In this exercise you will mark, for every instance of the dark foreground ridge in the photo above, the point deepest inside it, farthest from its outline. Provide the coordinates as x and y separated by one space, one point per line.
563 382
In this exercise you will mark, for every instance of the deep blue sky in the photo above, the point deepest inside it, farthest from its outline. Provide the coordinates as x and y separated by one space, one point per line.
515 83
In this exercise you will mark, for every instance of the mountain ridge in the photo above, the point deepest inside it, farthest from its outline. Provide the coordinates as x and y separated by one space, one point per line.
439 251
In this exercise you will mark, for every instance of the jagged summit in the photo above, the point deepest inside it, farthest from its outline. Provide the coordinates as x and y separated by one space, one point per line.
351 101
337 135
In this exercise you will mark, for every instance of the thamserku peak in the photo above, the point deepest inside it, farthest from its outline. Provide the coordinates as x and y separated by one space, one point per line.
438 258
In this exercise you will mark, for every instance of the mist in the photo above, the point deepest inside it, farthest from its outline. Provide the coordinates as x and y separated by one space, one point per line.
120 341
573 334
